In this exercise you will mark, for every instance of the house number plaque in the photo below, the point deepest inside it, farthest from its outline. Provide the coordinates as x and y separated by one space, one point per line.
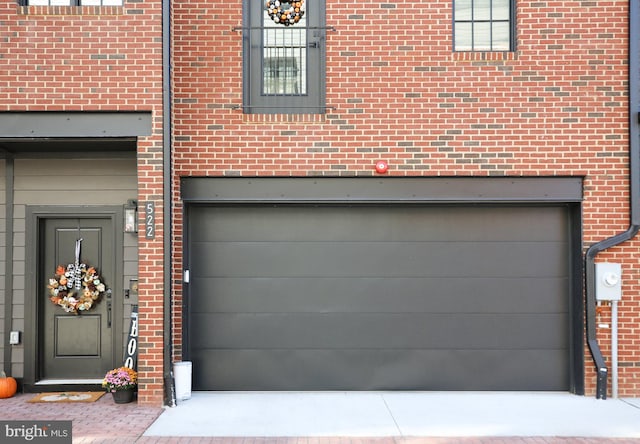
150 220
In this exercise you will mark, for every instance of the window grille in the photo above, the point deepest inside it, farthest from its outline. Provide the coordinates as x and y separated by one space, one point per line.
284 61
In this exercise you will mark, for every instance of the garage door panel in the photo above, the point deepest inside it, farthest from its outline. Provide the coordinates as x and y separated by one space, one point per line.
378 331
374 259
381 370
435 295
302 297
337 223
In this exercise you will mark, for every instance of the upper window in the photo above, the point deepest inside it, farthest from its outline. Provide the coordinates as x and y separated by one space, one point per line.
283 66
483 25
73 2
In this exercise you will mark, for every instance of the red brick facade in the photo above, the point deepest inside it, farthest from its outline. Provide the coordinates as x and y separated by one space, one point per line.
557 106
395 91
98 59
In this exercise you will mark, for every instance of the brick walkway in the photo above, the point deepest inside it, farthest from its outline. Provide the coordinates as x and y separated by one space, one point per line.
95 422
104 422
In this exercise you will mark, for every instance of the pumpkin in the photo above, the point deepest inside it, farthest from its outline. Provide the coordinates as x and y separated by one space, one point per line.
8 386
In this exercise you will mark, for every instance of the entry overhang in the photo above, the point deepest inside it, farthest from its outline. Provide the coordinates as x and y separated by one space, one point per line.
53 124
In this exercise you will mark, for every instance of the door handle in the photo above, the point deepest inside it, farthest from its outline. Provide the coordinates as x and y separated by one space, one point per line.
108 308
313 44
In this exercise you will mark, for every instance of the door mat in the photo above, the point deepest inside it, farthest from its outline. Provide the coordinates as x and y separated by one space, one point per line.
67 397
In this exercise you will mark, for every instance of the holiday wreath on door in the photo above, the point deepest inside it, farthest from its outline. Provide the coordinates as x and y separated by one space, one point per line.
76 287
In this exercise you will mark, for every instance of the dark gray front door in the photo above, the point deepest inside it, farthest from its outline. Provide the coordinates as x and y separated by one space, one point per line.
320 297
76 346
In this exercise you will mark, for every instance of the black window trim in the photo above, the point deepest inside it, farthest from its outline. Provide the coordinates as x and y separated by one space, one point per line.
72 3
512 29
257 103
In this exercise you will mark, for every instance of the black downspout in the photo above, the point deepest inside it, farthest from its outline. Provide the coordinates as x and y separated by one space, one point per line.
170 398
634 183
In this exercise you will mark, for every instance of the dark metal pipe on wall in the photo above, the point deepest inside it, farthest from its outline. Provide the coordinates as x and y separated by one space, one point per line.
634 180
170 398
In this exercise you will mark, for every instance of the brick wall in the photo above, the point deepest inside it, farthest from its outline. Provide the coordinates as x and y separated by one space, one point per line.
88 59
555 107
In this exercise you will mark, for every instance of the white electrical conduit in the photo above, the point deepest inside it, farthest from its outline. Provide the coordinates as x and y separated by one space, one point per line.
614 349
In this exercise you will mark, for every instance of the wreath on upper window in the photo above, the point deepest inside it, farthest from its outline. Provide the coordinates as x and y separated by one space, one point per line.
285 13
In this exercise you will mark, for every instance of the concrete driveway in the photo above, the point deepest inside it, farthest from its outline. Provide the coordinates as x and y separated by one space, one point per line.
398 414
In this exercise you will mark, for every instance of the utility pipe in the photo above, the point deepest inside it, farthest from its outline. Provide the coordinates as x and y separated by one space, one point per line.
614 349
170 397
634 184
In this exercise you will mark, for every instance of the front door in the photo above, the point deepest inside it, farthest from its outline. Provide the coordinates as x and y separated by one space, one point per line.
76 346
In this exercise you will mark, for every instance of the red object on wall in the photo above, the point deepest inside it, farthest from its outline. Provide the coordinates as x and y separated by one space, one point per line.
381 167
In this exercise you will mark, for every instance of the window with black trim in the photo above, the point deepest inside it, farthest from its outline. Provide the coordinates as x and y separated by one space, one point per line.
73 2
483 25
283 66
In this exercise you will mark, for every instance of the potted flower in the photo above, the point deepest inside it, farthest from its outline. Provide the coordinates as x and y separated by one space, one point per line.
122 383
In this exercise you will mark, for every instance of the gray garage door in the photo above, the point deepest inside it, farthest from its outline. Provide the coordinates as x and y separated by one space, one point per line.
302 297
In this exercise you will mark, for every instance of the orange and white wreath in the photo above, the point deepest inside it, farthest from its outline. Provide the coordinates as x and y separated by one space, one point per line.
75 288
285 12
